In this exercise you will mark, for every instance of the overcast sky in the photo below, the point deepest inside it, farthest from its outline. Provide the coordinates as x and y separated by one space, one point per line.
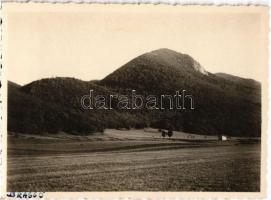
92 41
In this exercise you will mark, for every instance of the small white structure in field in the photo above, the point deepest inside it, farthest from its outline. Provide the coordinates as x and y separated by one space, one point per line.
223 137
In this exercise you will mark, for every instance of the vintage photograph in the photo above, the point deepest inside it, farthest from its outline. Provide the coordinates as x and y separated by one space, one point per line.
140 98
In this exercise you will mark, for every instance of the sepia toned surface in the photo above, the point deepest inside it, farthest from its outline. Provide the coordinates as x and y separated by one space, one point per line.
54 145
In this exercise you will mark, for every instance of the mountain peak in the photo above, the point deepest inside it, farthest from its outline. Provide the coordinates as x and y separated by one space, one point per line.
164 50
176 59
155 67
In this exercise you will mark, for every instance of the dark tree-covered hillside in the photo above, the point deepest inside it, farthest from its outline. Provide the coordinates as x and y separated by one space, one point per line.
224 104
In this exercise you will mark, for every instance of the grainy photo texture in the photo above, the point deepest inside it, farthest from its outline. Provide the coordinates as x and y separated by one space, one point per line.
135 98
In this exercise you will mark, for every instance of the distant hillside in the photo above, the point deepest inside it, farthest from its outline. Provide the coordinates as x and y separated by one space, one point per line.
224 104
53 105
13 85
37 110
244 82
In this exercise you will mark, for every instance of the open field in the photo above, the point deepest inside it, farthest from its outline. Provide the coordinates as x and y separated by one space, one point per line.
131 160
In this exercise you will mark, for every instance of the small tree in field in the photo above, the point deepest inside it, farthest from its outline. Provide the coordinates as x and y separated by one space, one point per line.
170 133
170 130
163 133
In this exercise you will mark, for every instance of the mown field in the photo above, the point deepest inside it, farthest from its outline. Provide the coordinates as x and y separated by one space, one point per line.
131 161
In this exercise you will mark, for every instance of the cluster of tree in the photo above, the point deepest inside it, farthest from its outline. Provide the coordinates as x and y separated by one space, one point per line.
165 133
